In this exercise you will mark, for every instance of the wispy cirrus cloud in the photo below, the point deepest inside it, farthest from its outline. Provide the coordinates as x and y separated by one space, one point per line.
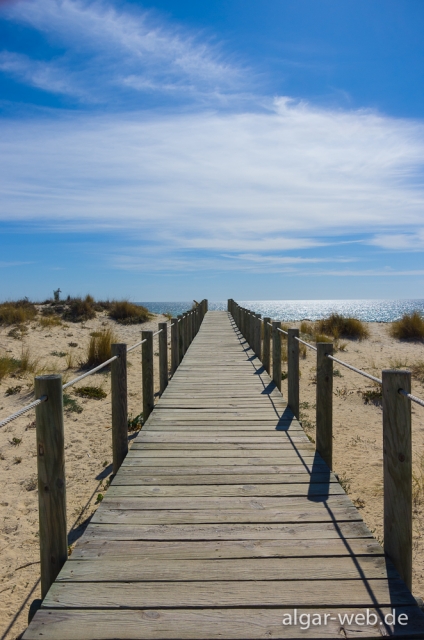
100 50
274 181
400 241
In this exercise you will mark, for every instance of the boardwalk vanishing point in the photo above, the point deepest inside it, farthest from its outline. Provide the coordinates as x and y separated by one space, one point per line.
224 523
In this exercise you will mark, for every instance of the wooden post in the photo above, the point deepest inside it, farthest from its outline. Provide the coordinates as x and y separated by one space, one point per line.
324 407
180 338
397 465
266 355
186 333
51 479
258 336
276 353
147 372
252 320
163 356
293 371
118 371
175 354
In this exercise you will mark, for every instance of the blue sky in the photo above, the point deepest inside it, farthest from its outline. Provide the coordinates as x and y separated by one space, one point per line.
176 150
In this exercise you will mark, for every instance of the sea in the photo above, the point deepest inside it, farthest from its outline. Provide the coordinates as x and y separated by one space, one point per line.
293 310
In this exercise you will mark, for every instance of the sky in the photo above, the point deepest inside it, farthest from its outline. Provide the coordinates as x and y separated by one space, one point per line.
242 149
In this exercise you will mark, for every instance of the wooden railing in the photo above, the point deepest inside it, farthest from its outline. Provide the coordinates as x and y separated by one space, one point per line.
53 532
396 402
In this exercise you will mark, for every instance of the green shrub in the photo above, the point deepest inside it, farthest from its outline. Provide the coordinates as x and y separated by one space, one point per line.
339 326
17 312
93 392
135 424
126 312
79 310
99 348
409 327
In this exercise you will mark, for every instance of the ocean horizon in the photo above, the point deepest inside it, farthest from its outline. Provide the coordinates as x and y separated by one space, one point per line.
295 310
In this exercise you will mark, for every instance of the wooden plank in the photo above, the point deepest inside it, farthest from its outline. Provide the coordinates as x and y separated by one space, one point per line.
254 623
222 503
193 469
290 489
130 476
141 550
225 531
244 569
335 593
316 512
193 436
283 459
222 448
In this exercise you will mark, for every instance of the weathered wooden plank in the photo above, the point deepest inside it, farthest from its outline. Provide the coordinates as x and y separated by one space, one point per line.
224 624
141 550
131 503
226 531
171 449
193 436
287 569
130 476
288 459
315 512
336 593
250 469
290 489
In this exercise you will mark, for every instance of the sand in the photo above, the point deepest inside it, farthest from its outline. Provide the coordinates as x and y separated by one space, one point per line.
357 444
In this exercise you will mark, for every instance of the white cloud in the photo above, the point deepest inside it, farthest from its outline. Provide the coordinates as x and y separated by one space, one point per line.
400 241
108 49
244 182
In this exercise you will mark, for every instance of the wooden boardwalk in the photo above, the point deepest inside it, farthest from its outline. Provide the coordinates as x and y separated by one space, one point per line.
221 522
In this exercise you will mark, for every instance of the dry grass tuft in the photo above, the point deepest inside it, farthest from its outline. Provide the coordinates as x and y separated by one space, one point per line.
79 309
17 312
15 366
126 312
49 321
417 370
409 327
307 328
99 348
339 326
320 337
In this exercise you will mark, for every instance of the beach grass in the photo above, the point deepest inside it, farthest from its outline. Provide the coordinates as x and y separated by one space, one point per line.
409 327
126 312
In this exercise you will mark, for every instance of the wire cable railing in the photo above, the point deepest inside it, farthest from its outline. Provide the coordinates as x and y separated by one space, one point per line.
101 366
361 372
